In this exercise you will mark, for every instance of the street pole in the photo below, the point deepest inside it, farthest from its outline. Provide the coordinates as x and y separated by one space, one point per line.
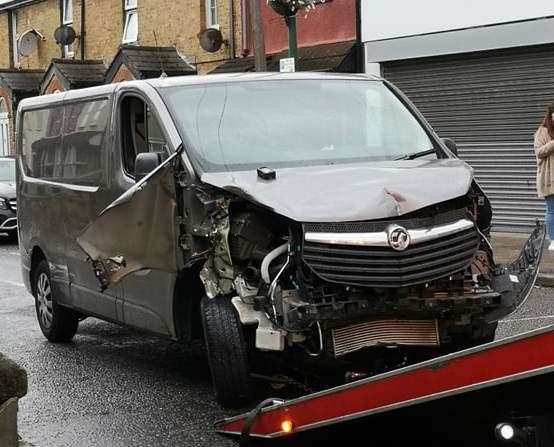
260 61
293 42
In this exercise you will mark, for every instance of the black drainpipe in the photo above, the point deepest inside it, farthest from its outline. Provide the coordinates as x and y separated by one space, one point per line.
11 39
62 48
359 43
232 52
83 32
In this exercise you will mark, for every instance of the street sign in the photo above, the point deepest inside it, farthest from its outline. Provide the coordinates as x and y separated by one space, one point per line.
287 65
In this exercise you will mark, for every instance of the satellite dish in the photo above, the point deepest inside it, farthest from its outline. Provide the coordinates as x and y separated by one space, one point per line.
27 43
65 35
210 40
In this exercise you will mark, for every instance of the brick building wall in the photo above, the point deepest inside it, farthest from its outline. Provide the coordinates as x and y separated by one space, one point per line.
331 21
5 95
4 41
104 29
55 85
179 25
45 18
175 23
123 74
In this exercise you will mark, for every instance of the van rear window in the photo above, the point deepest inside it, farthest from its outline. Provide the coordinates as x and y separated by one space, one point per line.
66 143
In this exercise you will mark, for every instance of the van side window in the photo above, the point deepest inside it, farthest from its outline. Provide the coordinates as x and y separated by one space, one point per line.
84 132
66 144
41 138
140 132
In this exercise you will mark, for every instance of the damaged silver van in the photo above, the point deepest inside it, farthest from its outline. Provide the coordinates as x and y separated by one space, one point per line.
300 216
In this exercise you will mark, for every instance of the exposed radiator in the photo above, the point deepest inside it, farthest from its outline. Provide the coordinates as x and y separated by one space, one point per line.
386 332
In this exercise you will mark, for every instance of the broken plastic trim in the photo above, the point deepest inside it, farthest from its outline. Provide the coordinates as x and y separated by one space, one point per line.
526 267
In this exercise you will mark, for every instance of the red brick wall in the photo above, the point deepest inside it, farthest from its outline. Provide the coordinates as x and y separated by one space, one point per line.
54 85
5 94
123 74
333 21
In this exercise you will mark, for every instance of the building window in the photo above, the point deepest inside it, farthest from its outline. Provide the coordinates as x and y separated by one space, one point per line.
211 14
130 29
13 32
67 19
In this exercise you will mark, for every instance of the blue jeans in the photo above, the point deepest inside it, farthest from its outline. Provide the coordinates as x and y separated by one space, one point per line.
550 216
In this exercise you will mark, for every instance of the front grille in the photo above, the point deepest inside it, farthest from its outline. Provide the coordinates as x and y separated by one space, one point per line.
385 333
13 204
384 267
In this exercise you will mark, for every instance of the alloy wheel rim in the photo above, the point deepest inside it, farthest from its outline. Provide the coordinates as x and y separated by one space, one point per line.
44 300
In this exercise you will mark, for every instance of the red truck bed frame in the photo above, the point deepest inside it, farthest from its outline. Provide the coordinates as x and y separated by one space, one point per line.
519 358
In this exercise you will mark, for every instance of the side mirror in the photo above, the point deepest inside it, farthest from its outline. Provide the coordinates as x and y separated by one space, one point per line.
450 145
146 162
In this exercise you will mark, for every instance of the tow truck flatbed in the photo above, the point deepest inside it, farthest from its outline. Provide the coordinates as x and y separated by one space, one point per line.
512 374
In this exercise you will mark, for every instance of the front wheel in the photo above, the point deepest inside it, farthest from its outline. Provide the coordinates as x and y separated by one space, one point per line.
227 351
57 323
477 336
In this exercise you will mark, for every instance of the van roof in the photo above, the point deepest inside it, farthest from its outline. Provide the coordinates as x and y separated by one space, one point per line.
237 77
175 81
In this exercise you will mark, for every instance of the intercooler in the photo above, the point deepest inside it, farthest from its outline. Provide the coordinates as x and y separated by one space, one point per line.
385 333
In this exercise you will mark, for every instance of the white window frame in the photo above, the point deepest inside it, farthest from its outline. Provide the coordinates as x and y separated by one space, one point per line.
15 37
67 19
212 14
4 129
130 9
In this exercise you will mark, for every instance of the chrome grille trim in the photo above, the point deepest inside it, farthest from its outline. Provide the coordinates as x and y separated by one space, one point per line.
382 267
13 204
9 224
386 332
380 239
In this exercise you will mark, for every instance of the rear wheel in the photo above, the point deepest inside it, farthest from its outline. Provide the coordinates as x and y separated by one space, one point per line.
227 351
57 323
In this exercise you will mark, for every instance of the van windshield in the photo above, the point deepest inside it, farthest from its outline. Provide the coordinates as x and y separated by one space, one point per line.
7 170
245 125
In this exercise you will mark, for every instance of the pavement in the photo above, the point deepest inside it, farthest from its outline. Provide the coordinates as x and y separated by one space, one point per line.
114 386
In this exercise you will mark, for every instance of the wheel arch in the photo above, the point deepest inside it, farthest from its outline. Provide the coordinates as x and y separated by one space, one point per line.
188 292
37 255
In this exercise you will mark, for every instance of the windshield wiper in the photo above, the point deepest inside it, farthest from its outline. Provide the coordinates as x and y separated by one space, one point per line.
416 155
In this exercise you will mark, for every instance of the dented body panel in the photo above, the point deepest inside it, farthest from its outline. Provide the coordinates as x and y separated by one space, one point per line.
345 193
145 213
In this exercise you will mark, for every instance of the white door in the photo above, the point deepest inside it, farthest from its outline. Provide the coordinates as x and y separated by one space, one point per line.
4 129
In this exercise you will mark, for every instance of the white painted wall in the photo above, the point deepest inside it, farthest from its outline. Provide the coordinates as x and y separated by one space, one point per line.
390 19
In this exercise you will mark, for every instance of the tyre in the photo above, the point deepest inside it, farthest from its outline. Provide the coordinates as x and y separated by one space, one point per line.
485 334
57 323
227 351
478 336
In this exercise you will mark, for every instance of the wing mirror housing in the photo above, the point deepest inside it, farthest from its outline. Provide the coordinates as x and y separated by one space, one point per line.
146 162
450 145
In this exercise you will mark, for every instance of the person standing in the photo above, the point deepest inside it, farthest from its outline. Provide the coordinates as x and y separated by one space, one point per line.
544 151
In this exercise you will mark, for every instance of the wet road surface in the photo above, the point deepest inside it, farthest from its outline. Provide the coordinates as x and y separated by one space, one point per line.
115 386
